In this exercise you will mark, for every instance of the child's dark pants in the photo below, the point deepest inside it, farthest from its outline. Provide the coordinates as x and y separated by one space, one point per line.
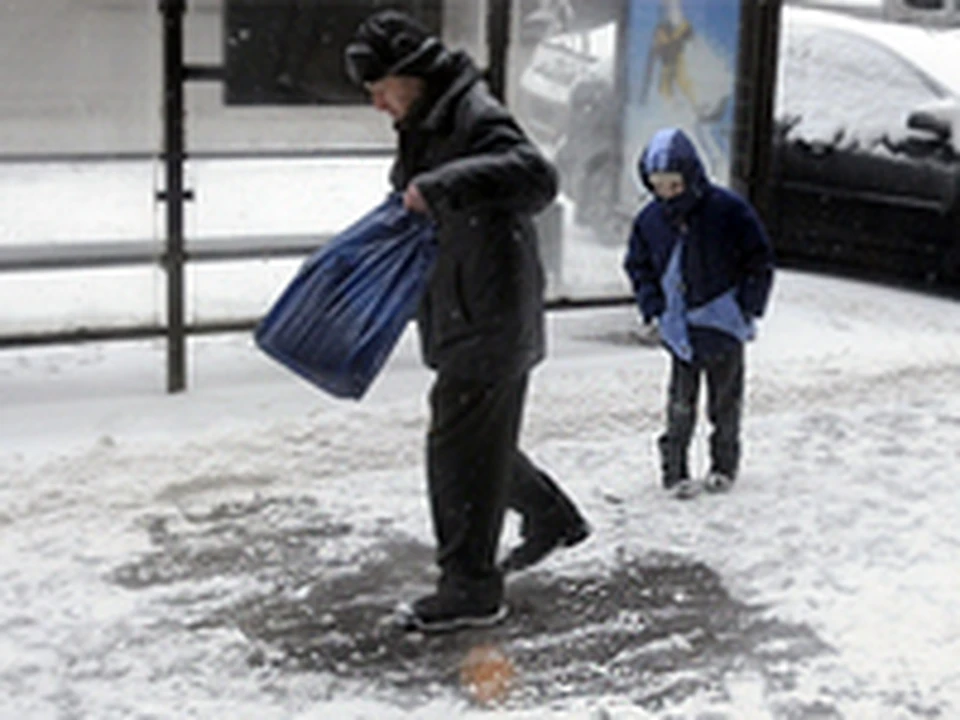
724 380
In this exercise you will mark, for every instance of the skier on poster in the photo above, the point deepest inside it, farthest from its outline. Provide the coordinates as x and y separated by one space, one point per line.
670 38
692 80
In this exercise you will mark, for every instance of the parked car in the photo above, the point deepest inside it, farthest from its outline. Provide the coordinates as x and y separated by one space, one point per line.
866 153
567 102
919 12
867 147
926 12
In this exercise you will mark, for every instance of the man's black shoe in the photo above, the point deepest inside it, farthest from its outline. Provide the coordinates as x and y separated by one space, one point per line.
444 613
540 542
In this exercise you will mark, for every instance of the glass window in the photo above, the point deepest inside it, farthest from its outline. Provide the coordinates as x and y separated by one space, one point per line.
562 85
79 124
79 77
286 88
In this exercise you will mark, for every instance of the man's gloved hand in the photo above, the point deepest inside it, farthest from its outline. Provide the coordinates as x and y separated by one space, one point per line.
414 201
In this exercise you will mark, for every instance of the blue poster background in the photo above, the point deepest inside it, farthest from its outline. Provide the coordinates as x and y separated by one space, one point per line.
681 60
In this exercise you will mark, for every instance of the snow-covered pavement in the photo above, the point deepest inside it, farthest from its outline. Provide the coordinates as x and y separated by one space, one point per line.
226 552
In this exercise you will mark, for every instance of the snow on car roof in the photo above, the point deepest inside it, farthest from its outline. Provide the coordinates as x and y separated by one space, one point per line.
834 87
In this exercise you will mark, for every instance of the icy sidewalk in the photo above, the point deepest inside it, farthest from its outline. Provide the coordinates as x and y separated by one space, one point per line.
229 552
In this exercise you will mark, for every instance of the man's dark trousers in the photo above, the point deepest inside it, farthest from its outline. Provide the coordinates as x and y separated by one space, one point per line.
475 471
724 375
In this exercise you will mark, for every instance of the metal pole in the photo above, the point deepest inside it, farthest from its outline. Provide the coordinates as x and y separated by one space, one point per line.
741 157
498 41
763 138
755 88
173 150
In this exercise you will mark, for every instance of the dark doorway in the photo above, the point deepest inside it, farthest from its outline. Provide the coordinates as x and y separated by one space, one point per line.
289 52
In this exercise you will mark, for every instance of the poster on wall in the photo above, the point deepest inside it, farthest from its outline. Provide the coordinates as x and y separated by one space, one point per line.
681 64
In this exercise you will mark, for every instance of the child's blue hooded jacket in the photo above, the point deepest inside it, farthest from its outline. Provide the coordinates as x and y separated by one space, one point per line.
701 262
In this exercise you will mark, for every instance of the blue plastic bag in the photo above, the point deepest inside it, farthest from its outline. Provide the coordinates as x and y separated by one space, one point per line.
340 317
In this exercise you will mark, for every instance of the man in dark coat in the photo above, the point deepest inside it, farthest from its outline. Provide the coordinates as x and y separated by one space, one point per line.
463 160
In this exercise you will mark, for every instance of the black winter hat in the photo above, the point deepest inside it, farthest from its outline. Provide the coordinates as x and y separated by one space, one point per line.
390 42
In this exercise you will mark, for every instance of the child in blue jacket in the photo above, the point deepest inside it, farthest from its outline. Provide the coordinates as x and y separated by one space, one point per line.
702 267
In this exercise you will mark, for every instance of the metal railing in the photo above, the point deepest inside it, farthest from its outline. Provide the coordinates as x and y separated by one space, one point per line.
174 251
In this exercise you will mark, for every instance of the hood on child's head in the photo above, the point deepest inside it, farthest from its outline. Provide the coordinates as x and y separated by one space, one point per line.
670 150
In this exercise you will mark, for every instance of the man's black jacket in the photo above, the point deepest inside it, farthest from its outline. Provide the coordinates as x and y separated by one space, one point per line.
482 315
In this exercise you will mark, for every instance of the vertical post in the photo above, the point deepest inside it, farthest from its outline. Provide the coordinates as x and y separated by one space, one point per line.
173 154
620 95
498 41
741 160
755 88
768 51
